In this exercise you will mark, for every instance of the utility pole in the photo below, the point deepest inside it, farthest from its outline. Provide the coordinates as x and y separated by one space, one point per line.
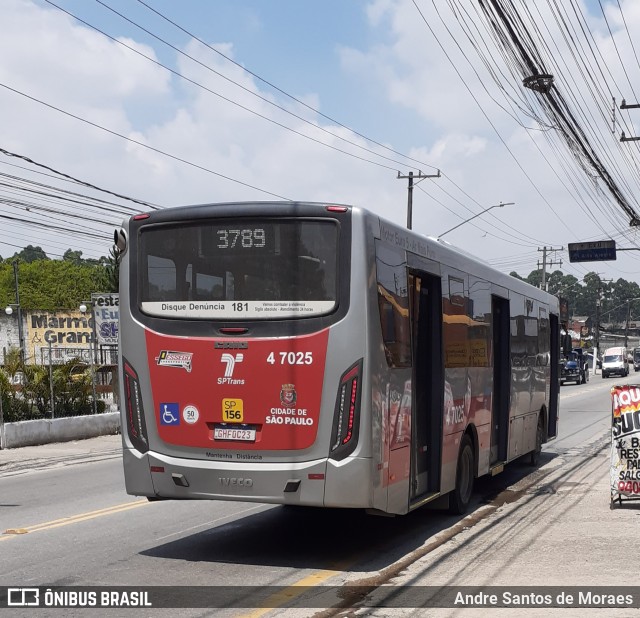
19 311
626 324
596 339
624 105
598 301
411 176
543 284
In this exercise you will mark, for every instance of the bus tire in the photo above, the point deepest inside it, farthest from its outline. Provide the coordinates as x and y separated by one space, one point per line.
460 497
534 456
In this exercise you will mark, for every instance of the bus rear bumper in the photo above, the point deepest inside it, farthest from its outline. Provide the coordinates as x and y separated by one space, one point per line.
318 482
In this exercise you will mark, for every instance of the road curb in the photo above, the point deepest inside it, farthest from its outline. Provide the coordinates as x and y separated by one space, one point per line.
45 431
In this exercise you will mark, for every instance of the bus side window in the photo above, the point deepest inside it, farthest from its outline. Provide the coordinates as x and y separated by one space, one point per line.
456 323
393 304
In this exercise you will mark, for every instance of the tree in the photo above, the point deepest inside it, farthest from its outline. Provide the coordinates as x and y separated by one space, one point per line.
36 389
534 278
48 285
7 395
622 292
555 281
72 389
611 298
112 270
75 257
566 286
30 254
14 406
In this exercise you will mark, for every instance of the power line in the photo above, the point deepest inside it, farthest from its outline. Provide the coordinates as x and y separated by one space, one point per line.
142 144
271 85
316 127
67 176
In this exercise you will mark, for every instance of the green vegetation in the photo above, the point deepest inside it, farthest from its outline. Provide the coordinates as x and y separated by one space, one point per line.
47 285
50 285
582 296
31 399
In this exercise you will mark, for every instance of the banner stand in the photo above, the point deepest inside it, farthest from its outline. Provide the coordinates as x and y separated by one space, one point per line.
625 443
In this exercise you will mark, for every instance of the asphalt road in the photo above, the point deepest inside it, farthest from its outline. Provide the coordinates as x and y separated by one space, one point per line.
71 523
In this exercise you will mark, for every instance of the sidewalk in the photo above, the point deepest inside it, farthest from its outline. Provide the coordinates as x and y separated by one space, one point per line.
558 536
28 458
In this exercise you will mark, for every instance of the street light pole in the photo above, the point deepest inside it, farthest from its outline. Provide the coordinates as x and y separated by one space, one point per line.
53 401
455 227
93 331
597 332
92 352
9 311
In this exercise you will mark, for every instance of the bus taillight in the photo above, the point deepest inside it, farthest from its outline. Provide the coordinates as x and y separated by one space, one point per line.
347 413
136 426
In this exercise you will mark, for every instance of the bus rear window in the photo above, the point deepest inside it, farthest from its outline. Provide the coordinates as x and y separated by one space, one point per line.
239 269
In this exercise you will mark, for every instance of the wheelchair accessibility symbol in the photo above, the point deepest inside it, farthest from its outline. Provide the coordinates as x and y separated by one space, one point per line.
169 414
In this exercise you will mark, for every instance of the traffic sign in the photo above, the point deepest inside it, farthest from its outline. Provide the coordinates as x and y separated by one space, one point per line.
592 251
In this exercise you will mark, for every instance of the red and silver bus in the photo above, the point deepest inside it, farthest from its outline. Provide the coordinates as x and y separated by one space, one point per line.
316 354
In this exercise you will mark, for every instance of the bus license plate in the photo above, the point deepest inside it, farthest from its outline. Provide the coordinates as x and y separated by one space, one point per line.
228 433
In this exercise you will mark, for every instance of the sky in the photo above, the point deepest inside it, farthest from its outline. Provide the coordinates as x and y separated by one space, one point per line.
173 103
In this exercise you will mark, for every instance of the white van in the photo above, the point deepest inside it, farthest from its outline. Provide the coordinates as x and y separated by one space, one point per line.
615 362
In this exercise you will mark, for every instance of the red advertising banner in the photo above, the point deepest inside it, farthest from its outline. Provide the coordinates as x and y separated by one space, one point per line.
625 442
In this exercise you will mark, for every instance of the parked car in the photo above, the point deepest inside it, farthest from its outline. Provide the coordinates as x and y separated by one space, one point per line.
636 359
575 368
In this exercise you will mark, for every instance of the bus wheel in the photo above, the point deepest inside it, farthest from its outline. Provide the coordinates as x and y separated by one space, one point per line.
460 497
534 456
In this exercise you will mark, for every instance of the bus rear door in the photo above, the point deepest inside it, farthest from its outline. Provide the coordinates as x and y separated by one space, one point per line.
428 384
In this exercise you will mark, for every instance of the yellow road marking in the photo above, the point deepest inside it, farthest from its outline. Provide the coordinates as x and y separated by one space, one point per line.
289 593
66 521
277 599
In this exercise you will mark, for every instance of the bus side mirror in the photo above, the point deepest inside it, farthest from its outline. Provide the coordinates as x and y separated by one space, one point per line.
120 240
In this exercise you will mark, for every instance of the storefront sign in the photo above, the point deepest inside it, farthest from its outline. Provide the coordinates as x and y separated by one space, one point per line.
70 329
106 309
625 442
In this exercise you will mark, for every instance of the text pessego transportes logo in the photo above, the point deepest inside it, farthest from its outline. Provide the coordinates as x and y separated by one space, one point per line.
169 358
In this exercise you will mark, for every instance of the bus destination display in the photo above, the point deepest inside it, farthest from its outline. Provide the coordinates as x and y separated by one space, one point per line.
245 238
226 239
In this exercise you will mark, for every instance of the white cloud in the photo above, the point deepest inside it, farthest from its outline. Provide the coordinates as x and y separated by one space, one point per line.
48 55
